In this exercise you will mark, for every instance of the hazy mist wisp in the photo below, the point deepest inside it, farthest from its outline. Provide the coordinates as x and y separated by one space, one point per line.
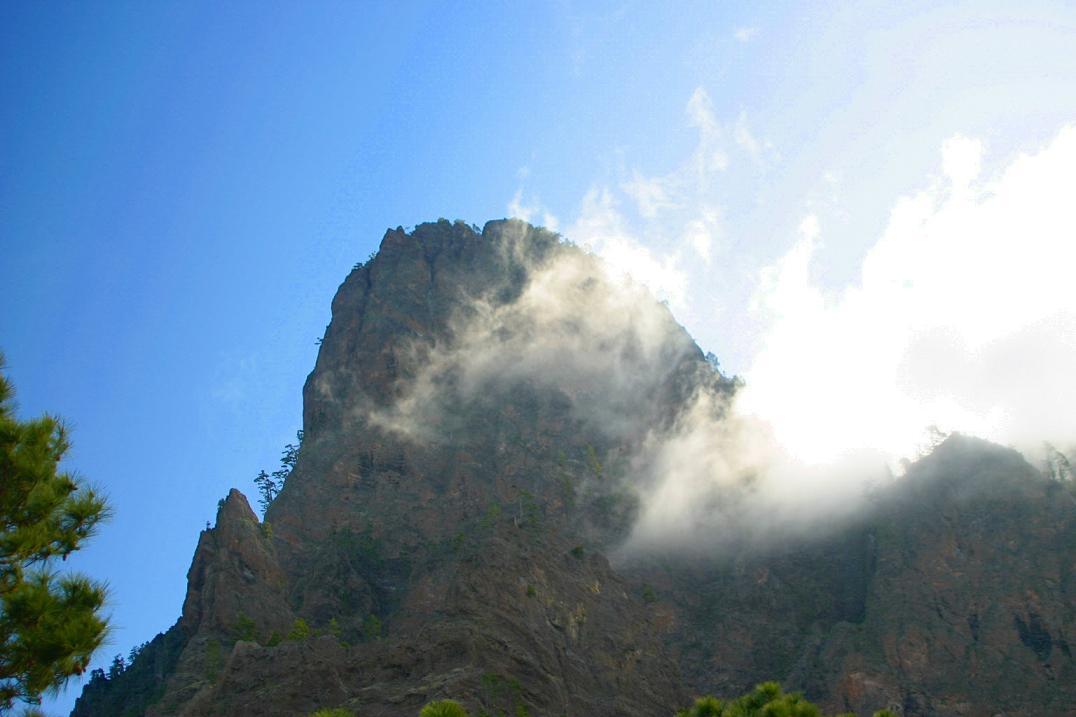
963 318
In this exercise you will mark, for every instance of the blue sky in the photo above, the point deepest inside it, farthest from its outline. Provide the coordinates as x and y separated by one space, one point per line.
184 185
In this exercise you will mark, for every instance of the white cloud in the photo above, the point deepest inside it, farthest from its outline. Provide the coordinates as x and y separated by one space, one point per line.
964 317
677 213
698 233
700 112
961 161
810 228
761 151
745 139
550 221
602 229
745 34
651 194
709 157
529 212
518 210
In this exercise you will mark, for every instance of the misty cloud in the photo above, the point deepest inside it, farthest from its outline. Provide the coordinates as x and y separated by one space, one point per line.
964 317
705 476
577 326
681 221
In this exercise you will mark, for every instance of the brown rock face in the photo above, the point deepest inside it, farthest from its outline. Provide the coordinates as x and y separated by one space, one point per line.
970 605
952 596
444 532
235 575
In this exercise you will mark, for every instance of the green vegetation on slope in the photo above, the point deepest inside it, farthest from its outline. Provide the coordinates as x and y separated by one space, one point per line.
766 700
443 708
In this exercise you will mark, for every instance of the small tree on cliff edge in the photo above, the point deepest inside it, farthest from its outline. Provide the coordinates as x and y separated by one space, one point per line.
269 485
50 624
267 489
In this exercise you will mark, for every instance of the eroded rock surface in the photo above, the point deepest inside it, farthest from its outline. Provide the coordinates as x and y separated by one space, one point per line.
441 540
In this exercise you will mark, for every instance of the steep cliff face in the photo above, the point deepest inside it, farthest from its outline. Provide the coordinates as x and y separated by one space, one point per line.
952 595
970 606
457 555
444 531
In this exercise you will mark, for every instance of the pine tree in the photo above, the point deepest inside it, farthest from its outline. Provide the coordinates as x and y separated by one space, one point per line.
269 485
50 624
267 489
288 458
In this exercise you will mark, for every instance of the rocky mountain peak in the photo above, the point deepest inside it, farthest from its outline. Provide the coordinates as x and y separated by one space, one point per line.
232 565
474 444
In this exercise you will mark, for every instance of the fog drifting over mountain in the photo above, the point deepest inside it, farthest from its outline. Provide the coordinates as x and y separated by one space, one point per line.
705 474
963 317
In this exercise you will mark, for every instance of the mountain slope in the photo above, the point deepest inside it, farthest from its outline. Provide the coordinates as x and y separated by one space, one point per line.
473 450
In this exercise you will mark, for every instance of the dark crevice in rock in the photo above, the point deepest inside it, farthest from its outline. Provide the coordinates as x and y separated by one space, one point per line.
1034 634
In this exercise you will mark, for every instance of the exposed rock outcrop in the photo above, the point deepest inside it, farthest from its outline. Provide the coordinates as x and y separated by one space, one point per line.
235 576
952 596
443 537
